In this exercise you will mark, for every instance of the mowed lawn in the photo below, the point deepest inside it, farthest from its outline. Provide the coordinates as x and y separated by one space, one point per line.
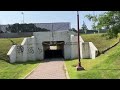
99 41
5 45
106 66
16 70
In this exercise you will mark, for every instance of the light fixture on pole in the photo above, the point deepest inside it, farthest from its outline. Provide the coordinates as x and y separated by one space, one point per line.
79 67
93 13
23 16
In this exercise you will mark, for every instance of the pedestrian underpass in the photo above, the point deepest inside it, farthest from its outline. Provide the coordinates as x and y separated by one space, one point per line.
53 49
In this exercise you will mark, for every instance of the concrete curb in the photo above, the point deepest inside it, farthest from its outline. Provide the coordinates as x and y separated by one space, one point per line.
66 72
104 51
31 72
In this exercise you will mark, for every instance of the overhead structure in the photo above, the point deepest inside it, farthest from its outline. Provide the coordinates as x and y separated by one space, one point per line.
41 46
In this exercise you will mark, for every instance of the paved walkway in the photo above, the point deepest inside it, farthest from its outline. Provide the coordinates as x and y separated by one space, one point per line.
49 69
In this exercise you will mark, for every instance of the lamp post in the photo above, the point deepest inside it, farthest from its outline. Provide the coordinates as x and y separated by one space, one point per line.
79 67
23 16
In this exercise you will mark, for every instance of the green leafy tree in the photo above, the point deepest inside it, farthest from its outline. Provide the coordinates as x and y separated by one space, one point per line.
15 28
1 29
109 20
94 19
73 29
84 27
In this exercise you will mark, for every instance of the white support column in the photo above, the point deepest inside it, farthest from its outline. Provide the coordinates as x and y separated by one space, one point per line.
31 49
74 47
24 44
12 54
93 50
67 51
39 51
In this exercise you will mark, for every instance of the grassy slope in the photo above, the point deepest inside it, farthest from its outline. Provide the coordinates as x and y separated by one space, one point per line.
17 70
100 42
106 66
5 45
13 71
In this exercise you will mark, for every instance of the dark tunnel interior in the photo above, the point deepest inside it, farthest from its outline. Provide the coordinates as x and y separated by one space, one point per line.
53 53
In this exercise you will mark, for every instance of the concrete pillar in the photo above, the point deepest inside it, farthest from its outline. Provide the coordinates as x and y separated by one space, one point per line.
67 51
93 50
39 51
31 49
85 50
24 44
12 54
19 53
74 47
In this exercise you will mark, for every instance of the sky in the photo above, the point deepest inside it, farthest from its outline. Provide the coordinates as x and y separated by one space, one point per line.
11 17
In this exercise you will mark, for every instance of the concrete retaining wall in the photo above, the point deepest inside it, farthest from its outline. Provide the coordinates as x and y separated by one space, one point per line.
12 54
74 46
93 50
89 50
85 50
32 48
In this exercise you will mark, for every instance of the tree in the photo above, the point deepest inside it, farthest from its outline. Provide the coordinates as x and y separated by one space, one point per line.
94 20
84 27
16 28
73 29
0 28
109 20
1 31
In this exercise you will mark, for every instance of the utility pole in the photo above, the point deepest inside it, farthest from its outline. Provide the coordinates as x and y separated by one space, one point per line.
52 34
79 67
93 13
23 16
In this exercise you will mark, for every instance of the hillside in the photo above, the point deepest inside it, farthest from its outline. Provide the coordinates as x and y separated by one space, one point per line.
106 66
16 70
99 41
5 45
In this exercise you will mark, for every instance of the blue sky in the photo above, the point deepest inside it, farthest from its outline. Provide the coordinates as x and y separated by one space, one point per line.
10 17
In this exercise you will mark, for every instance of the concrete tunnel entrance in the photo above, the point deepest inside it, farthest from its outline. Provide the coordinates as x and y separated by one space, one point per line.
53 49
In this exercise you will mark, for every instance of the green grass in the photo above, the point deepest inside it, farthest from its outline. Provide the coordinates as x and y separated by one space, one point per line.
106 66
17 70
99 41
13 71
5 45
